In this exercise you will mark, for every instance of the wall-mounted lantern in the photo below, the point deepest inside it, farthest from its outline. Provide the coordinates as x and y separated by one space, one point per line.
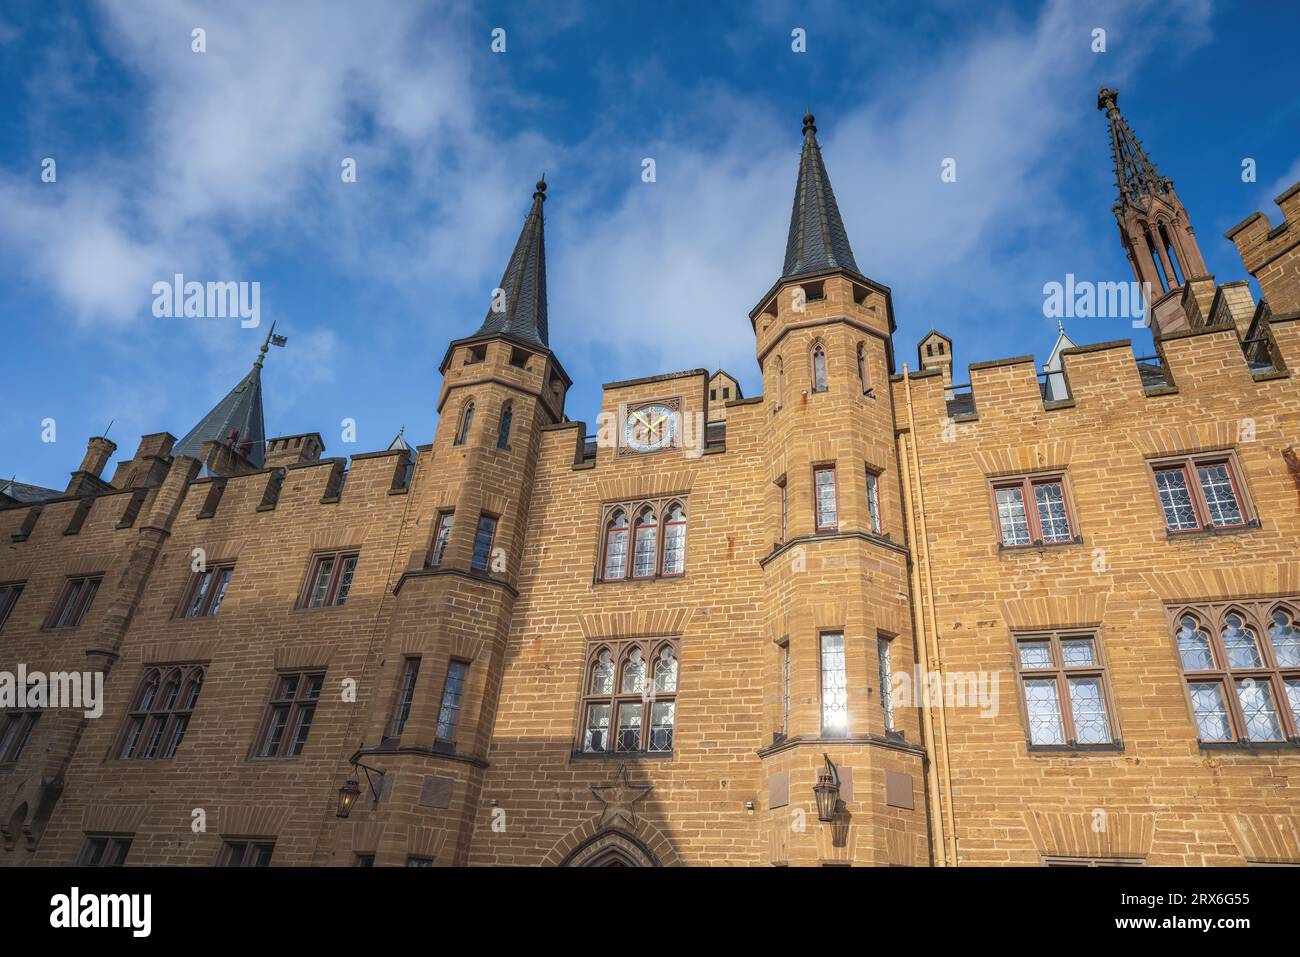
351 790
827 791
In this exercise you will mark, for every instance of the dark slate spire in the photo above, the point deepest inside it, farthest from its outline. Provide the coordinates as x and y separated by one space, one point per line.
239 412
523 309
1136 177
817 240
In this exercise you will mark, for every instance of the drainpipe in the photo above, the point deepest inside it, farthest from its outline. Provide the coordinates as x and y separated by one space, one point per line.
923 593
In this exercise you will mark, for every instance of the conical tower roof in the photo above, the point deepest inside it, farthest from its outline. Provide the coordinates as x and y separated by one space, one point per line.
817 240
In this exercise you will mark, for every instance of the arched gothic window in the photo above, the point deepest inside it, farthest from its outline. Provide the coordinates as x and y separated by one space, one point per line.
819 368
503 433
675 540
1242 688
616 546
466 423
665 670
602 673
160 712
645 550
1285 637
633 680
616 715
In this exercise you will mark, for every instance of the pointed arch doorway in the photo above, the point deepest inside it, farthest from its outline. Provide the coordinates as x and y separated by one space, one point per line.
611 848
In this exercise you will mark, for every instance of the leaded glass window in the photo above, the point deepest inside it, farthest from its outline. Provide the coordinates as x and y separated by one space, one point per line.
466 423
206 591
883 648
824 488
1066 699
453 690
1176 499
1199 492
329 580
873 501
1241 688
616 547
441 537
160 712
640 698
643 540
1033 511
647 543
819 368
675 541
1011 515
835 694
483 538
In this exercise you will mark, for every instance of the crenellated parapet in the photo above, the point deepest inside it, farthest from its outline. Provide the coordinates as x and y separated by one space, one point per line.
1272 253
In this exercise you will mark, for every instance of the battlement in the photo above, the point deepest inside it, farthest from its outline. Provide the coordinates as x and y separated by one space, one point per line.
1105 376
1272 253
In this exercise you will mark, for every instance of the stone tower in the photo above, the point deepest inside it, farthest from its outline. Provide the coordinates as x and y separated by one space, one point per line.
836 581
1154 228
440 677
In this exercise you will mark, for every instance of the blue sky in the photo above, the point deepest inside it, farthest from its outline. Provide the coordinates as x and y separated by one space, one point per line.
225 166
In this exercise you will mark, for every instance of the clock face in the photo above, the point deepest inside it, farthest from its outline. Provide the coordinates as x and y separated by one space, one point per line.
650 428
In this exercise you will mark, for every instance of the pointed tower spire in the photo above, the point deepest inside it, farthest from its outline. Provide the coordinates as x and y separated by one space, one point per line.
1136 177
238 416
817 240
1153 225
519 310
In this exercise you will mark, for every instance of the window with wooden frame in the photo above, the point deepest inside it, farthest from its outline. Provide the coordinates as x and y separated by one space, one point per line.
329 580
873 500
1064 690
466 424
825 500
405 696
652 544
205 591
484 535
73 602
289 714
835 691
1200 492
629 702
453 692
9 592
419 862
441 535
160 712
16 729
105 850
245 852
1033 510
1241 664
819 368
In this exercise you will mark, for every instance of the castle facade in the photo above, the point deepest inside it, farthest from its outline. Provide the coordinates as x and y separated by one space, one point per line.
871 616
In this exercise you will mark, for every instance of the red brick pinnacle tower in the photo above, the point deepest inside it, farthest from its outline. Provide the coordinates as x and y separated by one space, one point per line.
1154 226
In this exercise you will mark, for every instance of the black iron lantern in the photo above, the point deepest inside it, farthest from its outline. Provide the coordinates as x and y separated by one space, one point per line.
827 791
348 795
351 790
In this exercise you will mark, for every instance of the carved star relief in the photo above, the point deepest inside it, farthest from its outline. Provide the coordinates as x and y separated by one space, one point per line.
618 798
